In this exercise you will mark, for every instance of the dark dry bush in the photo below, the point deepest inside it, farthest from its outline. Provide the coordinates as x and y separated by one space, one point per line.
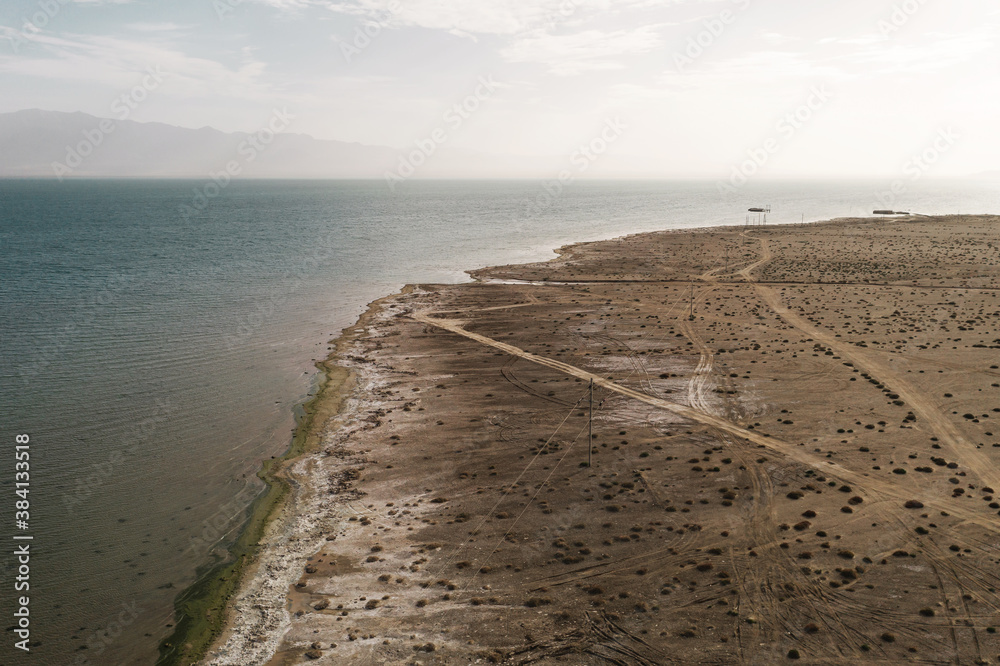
914 504
927 612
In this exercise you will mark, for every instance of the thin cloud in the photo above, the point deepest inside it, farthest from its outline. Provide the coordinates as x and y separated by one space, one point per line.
116 62
928 56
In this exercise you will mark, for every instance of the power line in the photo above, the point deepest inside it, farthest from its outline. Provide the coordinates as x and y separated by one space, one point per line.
513 485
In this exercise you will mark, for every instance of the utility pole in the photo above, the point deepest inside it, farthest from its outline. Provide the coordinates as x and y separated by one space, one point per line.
727 259
590 435
691 315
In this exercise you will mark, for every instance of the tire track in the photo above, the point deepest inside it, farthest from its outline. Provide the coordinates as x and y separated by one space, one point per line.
791 452
947 432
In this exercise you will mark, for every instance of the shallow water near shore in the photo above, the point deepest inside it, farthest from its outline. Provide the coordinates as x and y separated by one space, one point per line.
156 360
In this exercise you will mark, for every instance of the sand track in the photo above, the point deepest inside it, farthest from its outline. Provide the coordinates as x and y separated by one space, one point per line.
874 486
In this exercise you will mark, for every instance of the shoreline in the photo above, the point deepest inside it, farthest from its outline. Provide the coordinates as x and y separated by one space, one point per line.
386 352
228 582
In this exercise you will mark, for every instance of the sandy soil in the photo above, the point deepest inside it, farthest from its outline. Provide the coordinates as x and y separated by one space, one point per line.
803 468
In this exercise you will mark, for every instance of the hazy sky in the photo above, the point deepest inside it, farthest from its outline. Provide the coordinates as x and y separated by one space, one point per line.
691 87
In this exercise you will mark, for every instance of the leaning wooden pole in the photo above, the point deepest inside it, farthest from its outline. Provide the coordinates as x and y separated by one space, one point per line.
590 435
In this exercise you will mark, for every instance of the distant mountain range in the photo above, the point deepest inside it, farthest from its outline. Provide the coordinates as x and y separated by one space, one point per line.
35 143
48 144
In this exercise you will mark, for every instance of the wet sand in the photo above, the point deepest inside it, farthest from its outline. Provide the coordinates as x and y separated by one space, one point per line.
796 434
